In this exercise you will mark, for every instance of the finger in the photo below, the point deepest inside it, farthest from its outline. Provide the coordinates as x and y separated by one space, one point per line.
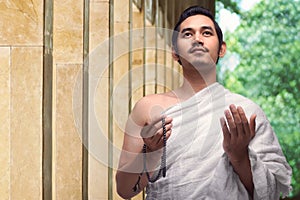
157 119
153 133
150 130
168 133
168 120
244 120
231 124
158 135
163 122
252 125
237 119
157 141
226 133
153 143
167 128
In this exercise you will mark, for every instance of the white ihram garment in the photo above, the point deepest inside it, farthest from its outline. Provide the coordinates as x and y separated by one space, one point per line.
197 166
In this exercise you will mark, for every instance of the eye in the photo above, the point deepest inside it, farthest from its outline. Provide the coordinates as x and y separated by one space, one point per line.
187 34
207 33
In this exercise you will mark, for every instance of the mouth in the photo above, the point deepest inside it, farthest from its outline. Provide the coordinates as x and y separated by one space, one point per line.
197 49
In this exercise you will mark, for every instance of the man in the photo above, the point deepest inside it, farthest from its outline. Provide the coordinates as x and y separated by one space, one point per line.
216 144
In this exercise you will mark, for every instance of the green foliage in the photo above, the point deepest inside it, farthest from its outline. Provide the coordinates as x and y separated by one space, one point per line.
268 44
231 5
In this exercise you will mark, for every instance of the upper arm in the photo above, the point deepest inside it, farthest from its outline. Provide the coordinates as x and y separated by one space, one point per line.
132 141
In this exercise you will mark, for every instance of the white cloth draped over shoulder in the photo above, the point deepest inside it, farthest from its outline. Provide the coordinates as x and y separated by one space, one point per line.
197 166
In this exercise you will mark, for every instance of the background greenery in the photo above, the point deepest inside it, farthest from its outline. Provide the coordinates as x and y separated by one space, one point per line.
266 46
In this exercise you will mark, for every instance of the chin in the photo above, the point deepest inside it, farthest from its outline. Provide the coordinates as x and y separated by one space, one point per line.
203 66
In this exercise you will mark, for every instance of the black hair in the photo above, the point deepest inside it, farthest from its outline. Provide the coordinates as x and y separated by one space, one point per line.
191 11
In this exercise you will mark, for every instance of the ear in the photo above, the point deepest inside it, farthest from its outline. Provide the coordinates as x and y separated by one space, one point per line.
222 50
174 54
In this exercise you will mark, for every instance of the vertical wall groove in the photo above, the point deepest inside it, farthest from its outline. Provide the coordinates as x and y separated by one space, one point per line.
130 26
85 100
156 43
110 110
166 35
144 47
47 100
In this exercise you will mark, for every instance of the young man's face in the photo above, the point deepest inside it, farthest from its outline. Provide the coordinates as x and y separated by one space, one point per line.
197 42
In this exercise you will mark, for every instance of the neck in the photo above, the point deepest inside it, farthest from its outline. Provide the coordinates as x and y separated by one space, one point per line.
200 78
192 85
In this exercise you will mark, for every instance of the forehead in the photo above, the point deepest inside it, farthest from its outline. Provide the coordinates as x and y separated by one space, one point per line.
196 21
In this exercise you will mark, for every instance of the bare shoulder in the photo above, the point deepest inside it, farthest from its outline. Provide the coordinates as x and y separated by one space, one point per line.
162 101
151 105
145 111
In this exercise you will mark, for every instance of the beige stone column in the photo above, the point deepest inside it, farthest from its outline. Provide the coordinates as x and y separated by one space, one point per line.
5 120
67 60
99 34
120 95
21 55
137 54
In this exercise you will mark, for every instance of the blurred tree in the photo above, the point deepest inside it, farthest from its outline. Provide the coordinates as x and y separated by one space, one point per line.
231 5
267 48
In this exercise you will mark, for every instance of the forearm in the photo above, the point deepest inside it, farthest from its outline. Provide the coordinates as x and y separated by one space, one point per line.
131 177
126 182
243 169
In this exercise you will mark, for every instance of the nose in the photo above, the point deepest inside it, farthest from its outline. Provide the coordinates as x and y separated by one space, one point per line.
198 39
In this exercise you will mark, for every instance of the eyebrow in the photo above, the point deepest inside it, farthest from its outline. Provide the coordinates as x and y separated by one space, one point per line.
202 27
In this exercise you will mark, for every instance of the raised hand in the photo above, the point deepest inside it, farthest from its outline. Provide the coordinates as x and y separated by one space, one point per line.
238 133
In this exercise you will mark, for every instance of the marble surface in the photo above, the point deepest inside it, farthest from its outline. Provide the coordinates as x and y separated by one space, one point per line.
21 22
26 122
5 122
119 8
99 21
21 93
68 31
67 144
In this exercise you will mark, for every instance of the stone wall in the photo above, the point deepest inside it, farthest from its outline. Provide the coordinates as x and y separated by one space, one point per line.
70 73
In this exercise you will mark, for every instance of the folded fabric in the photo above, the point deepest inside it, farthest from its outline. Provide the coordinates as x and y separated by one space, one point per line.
198 167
